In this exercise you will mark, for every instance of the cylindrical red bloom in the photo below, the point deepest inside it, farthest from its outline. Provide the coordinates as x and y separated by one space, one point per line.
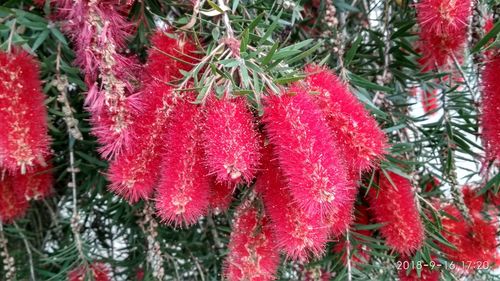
475 243
13 203
490 107
24 142
36 184
184 189
312 165
230 141
95 271
298 234
169 54
443 29
134 173
355 133
394 206
252 253
221 195
473 200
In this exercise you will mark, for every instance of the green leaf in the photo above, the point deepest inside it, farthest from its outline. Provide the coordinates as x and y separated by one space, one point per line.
352 51
365 84
493 33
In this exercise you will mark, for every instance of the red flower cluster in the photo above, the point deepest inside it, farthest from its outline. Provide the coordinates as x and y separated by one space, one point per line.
99 30
475 242
394 206
490 107
95 271
443 29
230 141
252 253
24 142
297 233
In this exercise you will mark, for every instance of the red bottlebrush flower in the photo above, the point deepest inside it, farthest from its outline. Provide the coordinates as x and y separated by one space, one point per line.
475 242
37 183
252 252
473 200
184 189
221 195
312 166
355 132
134 173
340 219
161 63
443 29
13 203
24 142
394 206
230 141
490 105
96 272
429 100
426 273
99 31
297 233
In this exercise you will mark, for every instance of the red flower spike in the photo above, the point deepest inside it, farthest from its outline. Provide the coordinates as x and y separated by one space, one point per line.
134 173
490 106
184 189
443 29
24 142
161 63
252 252
394 206
426 273
96 272
316 176
475 243
230 141
473 200
37 183
221 195
298 234
356 132
13 203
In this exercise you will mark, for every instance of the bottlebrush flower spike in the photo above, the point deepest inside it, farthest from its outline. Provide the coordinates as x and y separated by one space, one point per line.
13 203
170 54
473 200
99 32
96 272
475 243
134 173
443 29
490 106
230 141
355 132
252 253
316 176
394 206
221 195
37 183
298 234
24 142
184 189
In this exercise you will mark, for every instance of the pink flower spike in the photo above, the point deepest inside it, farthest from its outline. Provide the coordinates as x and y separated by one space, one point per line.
230 141
490 105
312 166
184 189
252 253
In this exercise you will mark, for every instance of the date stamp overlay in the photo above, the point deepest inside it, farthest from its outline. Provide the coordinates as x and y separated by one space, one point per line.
417 265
